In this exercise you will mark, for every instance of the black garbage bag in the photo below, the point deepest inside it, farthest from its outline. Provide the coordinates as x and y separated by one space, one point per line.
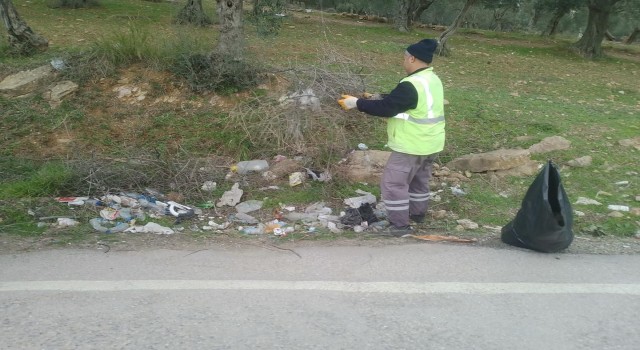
355 217
545 219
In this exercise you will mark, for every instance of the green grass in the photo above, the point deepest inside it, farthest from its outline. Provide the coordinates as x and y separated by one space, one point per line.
499 86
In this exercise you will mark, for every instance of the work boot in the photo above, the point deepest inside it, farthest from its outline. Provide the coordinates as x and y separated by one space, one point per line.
396 231
417 218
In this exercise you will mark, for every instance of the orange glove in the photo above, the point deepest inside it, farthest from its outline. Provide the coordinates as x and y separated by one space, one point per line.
348 102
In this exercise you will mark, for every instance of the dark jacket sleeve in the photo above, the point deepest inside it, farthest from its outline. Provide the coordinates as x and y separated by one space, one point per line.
401 99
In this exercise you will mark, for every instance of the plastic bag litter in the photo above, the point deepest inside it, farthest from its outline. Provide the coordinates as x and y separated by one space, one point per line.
545 219
150 227
355 217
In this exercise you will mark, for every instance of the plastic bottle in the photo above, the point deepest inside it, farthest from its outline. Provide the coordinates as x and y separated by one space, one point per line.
247 166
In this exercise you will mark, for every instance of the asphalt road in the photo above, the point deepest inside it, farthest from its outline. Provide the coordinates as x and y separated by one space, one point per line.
410 296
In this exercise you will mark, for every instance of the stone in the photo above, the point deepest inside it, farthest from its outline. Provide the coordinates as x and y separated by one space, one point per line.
285 167
25 82
615 214
439 214
524 138
635 211
467 224
549 144
531 167
57 92
364 166
587 201
581 162
501 159
634 142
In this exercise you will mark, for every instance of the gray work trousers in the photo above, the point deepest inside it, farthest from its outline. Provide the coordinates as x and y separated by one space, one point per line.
405 186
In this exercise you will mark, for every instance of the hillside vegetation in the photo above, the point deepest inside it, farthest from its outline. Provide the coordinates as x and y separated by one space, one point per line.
500 87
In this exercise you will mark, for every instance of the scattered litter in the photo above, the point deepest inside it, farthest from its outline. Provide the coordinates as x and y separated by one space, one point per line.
247 166
244 218
180 211
216 226
269 188
231 197
252 230
249 206
362 146
108 226
296 178
67 222
58 64
294 216
209 186
457 191
603 193
333 227
356 202
622 183
322 177
72 200
356 217
578 213
587 201
319 208
150 227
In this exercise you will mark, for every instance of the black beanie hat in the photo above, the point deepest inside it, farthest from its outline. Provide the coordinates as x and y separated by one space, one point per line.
423 50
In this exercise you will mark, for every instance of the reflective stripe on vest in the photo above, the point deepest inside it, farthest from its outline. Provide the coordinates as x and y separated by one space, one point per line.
430 119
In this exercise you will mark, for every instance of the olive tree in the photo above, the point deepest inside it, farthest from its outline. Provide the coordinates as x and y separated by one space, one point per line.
21 37
590 44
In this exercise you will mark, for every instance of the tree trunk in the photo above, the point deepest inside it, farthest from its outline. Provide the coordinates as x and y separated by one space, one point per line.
443 50
553 23
21 37
193 13
535 17
230 41
590 44
633 36
402 21
610 36
422 6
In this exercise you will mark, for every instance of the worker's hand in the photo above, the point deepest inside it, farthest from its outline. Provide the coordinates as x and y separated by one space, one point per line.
348 102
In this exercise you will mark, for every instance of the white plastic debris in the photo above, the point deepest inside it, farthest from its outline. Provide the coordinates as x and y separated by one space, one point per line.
231 197
356 202
151 227
296 178
67 222
209 186
617 207
457 191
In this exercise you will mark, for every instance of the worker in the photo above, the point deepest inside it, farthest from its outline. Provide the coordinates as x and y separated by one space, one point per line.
416 134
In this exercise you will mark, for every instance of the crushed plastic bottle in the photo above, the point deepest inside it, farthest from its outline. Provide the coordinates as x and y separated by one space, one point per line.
247 166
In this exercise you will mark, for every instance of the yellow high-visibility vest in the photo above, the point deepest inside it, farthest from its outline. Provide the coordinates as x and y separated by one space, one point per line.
420 131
